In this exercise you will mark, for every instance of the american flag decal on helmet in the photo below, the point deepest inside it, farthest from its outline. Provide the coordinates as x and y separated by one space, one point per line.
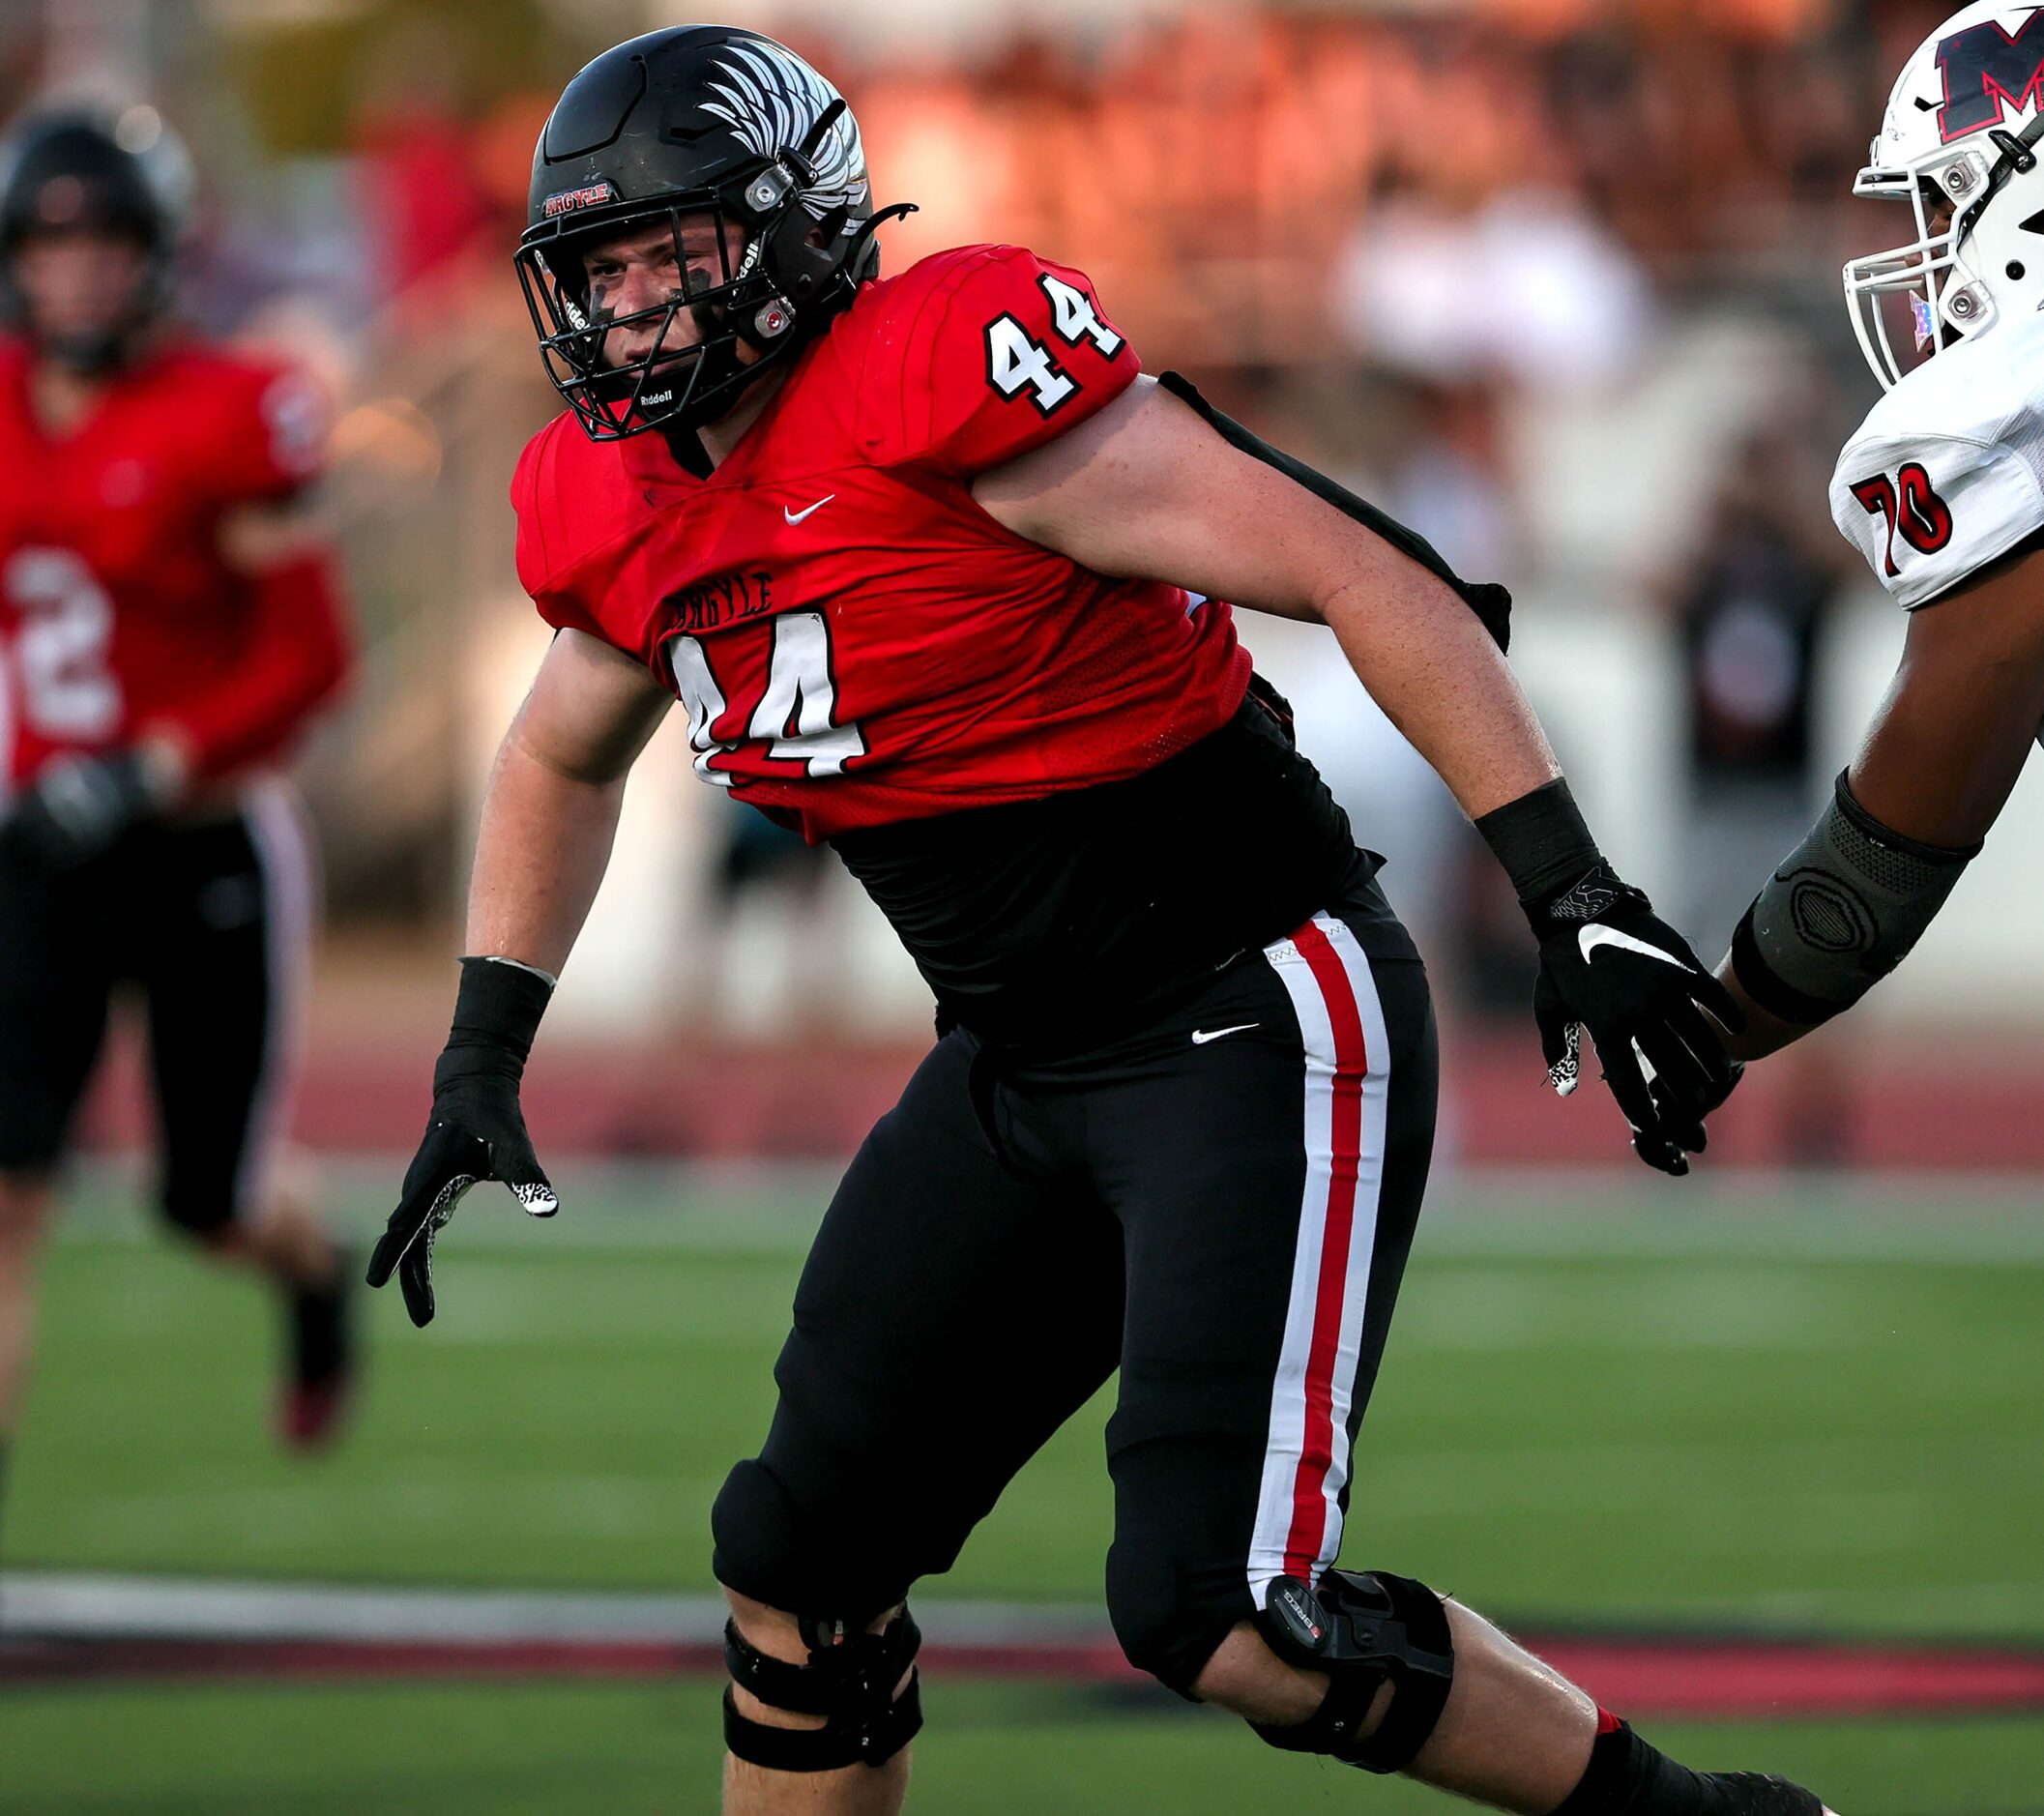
1926 324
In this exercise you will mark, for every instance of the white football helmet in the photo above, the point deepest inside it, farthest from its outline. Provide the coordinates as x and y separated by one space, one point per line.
1961 128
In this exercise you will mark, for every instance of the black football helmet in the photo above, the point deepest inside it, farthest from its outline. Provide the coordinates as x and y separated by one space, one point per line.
71 172
695 121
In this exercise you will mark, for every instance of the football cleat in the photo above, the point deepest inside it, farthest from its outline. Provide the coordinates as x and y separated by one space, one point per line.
309 1418
1758 1794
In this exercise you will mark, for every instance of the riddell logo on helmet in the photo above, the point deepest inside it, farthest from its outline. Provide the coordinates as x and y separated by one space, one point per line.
566 202
1986 71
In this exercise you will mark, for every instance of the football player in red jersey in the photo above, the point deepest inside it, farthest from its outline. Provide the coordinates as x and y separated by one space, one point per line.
939 576
168 622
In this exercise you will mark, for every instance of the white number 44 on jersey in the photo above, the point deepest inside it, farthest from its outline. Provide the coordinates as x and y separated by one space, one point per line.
1017 362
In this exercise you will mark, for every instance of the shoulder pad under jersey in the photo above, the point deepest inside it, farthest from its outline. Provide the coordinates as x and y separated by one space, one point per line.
976 356
1947 474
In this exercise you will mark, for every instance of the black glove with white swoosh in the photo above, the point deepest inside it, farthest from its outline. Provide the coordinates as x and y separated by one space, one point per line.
477 1130
1611 966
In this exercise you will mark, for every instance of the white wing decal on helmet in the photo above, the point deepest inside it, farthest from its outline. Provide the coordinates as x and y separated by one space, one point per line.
773 100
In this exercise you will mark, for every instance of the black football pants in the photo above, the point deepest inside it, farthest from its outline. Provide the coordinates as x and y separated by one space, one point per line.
211 922
1221 1207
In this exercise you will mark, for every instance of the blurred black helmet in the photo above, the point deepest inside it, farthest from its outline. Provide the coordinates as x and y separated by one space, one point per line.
70 172
705 120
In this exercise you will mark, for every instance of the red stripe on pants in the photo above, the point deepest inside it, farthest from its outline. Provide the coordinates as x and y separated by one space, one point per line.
1320 1438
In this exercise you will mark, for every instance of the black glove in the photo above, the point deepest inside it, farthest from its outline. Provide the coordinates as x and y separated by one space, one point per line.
1665 1109
76 808
476 1130
1611 965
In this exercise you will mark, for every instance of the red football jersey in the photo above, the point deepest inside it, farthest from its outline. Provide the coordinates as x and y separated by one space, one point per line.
855 640
117 611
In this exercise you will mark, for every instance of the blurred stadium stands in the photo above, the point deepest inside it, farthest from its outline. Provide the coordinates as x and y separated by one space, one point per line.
1540 276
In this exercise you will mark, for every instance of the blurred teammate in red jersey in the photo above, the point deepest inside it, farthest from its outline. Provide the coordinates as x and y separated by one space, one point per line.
168 622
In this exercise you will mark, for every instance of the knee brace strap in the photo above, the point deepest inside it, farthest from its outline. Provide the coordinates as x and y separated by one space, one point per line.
1363 1629
849 1680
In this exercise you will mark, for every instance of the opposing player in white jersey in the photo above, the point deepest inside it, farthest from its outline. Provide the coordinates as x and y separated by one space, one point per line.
1942 491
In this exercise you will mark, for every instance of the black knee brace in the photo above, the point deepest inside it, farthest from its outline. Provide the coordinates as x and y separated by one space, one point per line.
1363 1629
849 1680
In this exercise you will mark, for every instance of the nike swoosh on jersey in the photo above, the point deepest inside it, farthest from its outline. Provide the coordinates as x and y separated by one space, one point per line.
1590 938
796 516
1201 1035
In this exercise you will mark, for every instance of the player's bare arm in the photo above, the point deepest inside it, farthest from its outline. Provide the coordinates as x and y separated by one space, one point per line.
551 808
1939 759
550 817
1148 486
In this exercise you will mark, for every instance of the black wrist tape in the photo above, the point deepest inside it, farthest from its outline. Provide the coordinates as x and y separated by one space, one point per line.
1543 841
497 1012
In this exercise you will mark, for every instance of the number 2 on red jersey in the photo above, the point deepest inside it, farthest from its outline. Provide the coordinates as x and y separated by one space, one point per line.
60 648
796 713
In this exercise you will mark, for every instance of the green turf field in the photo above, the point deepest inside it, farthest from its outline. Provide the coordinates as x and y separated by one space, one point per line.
990 1750
1820 1411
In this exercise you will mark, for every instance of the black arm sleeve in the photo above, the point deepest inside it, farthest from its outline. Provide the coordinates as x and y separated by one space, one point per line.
1491 603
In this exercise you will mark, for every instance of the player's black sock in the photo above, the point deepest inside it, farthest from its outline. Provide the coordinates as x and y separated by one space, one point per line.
320 1333
1627 1777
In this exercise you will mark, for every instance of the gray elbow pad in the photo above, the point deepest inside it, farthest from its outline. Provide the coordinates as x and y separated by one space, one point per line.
1840 912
